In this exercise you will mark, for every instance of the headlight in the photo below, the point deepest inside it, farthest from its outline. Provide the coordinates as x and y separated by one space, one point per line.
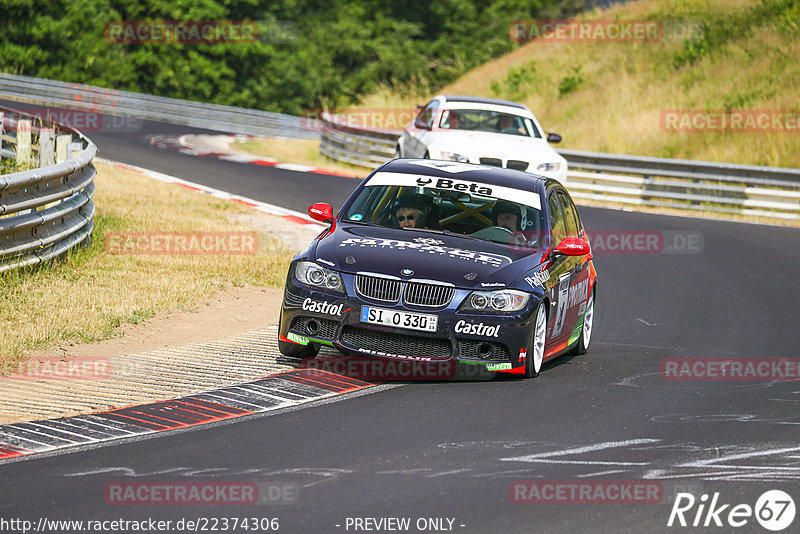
505 300
452 156
312 274
548 167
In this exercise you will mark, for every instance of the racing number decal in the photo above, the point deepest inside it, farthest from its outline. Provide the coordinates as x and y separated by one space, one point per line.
562 304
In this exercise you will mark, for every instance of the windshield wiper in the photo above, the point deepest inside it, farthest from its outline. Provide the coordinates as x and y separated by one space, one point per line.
364 223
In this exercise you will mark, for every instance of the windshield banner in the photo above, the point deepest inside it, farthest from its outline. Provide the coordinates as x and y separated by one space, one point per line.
518 196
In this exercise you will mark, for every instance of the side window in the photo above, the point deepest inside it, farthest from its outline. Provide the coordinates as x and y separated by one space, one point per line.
570 215
426 116
556 219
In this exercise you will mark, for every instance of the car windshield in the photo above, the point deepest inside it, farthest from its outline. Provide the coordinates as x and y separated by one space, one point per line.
481 120
473 211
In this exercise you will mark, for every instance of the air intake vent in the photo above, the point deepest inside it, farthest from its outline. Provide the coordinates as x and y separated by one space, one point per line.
385 343
470 349
325 328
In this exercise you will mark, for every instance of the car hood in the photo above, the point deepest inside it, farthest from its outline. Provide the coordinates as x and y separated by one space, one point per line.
465 263
494 145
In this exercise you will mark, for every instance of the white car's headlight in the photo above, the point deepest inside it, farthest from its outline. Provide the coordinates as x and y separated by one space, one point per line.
453 156
313 275
504 300
548 167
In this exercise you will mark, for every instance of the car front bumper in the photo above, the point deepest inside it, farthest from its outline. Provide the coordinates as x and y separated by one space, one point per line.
497 341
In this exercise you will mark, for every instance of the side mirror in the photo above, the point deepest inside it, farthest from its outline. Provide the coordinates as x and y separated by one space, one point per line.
553 138
322 212
573 246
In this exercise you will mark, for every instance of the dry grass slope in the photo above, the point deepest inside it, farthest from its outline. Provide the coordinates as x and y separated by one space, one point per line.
91 293
618 90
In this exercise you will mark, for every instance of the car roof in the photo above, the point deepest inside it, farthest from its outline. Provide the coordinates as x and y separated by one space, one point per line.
483 100
479 173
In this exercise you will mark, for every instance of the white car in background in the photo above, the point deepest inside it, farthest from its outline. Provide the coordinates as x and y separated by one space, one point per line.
487 131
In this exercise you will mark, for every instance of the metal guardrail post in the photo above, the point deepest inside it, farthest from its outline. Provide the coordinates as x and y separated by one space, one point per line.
45 211
23 142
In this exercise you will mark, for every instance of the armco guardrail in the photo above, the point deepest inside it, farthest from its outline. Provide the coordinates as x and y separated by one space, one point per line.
366 147
636 180
113 102
47 210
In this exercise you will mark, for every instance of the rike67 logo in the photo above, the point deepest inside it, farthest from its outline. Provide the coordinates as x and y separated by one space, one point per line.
774 510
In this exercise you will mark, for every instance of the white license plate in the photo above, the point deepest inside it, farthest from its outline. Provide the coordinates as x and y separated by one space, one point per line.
399 319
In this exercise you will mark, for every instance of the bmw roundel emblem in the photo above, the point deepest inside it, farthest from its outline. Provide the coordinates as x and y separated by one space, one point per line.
406 272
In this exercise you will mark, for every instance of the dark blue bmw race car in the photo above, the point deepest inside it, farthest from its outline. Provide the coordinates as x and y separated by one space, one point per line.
437 261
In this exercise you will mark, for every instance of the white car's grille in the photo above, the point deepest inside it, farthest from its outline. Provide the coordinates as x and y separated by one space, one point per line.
516 164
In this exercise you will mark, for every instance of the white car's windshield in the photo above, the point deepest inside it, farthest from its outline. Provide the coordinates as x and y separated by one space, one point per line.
469 214
482 120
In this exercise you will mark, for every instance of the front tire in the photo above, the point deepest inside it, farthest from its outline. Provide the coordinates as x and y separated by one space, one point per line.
586 330
535 357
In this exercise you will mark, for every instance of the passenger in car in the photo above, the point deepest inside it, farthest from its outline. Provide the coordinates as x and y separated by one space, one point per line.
452 121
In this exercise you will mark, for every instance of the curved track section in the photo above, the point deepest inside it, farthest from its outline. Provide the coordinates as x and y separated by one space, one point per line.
454 450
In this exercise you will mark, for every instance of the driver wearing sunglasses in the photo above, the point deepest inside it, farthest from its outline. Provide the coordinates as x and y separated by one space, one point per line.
409 212
408 217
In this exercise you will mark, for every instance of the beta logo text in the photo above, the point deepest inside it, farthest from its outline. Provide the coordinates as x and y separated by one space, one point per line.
455 185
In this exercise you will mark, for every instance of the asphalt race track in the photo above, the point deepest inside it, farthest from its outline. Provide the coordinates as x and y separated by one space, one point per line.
452 450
